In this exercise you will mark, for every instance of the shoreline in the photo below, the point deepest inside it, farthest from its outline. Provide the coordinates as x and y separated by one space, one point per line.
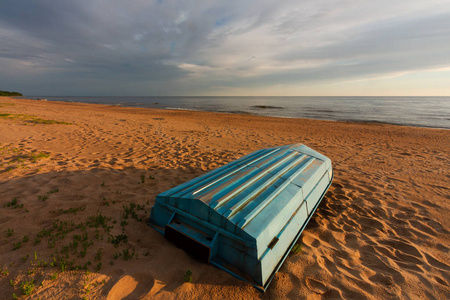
380 232
148 106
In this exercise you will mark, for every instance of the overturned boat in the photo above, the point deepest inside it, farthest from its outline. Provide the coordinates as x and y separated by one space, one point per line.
245 216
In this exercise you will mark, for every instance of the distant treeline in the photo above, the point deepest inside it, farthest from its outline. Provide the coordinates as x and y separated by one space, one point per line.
6 93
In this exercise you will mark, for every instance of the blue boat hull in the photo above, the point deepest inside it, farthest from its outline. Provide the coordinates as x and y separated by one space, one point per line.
246 216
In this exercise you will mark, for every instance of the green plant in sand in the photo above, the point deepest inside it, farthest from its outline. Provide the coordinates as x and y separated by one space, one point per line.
27 287
13 203
296 249
53 191
54 276
44 121
97 220
9 232
71 210
188 276
43 198
98 255
17 245
4 272
116 240
35 156
127 255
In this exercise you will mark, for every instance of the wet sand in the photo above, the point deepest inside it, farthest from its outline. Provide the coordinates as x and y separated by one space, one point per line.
66 188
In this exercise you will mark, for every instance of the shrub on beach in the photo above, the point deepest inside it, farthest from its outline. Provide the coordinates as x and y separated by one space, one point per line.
13 94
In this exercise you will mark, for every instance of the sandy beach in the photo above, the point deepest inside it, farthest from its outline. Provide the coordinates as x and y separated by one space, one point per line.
77 182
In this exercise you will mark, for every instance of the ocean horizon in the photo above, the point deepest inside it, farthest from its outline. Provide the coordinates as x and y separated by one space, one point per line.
432 112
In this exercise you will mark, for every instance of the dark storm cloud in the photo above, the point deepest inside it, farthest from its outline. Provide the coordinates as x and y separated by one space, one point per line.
59 34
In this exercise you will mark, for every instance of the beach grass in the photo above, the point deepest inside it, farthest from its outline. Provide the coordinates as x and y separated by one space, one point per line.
31 119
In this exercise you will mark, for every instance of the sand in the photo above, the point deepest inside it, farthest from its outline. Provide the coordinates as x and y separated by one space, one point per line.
381 231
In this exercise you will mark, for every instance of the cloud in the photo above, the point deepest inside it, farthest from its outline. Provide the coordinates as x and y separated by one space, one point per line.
175 47
332 44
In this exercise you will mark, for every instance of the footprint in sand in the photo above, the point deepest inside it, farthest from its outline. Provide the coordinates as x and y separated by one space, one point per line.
316 286
131 287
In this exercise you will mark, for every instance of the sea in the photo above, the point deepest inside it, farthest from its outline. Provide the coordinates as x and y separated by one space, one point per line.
433 112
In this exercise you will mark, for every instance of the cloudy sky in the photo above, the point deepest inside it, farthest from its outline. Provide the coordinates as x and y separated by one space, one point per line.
165 47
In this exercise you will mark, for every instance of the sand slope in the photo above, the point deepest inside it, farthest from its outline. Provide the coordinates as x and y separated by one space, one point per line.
382 231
